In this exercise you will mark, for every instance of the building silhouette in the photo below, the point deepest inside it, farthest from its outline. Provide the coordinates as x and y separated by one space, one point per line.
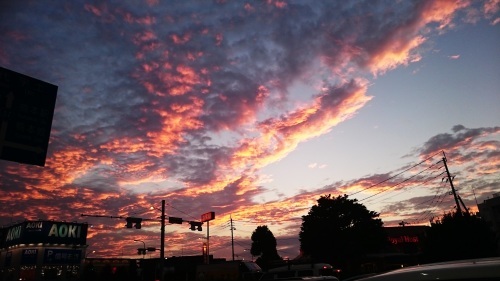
42 250
489 210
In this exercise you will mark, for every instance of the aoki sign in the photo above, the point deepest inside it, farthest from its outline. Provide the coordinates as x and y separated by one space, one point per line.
65 230
35 232
13 233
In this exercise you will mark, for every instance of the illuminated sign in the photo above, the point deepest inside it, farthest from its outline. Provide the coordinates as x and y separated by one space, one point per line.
65 230
62 256
29 256
34 232
13 233
207 216
403 239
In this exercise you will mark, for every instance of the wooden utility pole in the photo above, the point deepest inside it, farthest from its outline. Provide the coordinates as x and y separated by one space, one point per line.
232 237
459 209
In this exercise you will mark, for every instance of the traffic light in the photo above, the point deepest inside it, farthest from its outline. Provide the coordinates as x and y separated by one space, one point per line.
141 251
136 222
195 225
175 220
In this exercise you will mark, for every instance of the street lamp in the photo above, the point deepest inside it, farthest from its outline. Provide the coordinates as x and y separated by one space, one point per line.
87 254
143 249
249 250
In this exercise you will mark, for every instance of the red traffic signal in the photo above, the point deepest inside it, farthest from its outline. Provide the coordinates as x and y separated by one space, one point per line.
195 225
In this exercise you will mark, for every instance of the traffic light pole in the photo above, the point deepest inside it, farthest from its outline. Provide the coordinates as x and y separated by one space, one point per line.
162 242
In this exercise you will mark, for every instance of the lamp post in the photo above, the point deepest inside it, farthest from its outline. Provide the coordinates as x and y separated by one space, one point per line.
87 254
249 250
144 249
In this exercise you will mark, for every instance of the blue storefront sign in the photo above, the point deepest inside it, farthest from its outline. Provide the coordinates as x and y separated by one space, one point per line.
29 256
62 256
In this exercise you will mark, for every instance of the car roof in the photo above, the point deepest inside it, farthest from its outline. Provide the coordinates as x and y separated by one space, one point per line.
300 266
452 270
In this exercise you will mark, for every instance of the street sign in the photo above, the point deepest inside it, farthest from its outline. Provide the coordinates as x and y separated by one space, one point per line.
207 216
26 111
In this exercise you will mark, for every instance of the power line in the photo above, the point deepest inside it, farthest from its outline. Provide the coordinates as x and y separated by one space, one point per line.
414 186
403 181
181 211
394 175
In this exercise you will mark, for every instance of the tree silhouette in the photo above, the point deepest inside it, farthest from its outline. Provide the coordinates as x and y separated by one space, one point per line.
459 236
264 246
341 231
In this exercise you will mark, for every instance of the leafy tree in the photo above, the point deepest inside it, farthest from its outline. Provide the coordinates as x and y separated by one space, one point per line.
341 231
264 246
456 236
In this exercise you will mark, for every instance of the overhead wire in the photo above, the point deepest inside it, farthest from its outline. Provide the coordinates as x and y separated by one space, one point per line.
416 165
411 187
181 211
403 181
435 202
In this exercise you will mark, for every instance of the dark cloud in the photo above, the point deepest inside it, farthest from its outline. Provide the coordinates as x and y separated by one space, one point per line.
461 137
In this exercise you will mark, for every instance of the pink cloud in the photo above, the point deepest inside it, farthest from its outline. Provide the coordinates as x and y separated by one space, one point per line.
402 43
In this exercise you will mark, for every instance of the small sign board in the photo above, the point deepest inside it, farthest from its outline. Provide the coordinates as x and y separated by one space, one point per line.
26 111
62 256
29 256
207 216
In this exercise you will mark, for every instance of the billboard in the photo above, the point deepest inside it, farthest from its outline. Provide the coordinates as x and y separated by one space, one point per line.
62 256
26 111
52 232
207 216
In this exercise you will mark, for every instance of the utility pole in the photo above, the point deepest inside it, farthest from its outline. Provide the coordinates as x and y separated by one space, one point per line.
459 210
162 242
232 237
403 223
463 204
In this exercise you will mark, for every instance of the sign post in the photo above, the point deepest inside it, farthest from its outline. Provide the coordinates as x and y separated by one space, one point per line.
207 217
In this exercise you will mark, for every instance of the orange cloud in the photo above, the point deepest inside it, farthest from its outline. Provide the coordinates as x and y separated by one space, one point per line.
395 53
281 136
399 48
278 137
277 3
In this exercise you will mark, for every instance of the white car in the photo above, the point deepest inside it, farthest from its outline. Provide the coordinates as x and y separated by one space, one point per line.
487 269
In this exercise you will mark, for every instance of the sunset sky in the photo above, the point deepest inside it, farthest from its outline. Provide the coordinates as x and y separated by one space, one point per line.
253 110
